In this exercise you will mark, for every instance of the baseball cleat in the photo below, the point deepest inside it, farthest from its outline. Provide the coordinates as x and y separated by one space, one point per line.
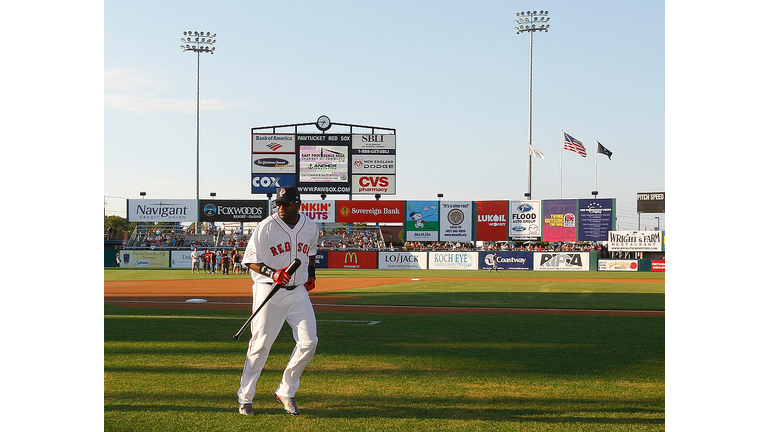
289 404
246 409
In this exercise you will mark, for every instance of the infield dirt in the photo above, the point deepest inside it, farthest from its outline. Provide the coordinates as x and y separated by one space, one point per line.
236 294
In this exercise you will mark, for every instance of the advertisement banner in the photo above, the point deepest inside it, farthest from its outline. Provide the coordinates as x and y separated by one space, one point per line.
524 220
650 202
561 261
422 221
181 259
506 260
658 265
273 143
273 164
596 219
373 164
233 210
370 211
321 259
145 259
324 158
269 183
491 220
617 265
456 221
453 260
559 220
403 260
373 144
166 210
635 241
319 211
352 260
373 184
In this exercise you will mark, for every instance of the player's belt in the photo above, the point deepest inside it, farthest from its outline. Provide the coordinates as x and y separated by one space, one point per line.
287 287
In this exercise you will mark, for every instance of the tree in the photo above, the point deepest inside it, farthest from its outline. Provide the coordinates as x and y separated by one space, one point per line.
114 226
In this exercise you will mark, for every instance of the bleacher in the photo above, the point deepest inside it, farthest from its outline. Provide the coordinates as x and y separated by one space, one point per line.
226 235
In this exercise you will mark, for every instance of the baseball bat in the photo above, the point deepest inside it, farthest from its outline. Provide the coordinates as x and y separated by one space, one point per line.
290 270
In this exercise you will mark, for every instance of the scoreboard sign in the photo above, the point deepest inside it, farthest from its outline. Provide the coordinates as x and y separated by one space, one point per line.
650 202
325 163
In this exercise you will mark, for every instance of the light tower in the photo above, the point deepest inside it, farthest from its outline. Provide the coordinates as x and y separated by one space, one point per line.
531 22
198 42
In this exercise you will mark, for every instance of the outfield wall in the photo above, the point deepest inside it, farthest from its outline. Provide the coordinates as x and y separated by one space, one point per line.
420 260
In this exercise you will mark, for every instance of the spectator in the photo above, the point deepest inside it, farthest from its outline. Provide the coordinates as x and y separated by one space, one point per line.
237 260
195 260
207 261
224 262
219 262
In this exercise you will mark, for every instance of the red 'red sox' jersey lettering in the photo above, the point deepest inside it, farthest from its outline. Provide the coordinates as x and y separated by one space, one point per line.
281 248
304 248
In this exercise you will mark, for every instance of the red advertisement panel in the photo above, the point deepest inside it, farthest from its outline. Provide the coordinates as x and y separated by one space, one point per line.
352 260
491 222
370 211
658 266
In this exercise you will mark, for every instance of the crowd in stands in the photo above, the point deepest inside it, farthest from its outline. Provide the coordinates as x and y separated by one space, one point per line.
208 238
343 239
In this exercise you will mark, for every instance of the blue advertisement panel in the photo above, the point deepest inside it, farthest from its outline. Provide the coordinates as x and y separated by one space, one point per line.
321 259
422 221
506 260
268 183
596 219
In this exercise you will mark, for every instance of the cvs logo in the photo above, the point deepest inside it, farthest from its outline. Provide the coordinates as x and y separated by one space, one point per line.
373 181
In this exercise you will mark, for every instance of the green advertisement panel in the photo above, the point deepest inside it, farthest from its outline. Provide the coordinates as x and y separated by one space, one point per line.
144 259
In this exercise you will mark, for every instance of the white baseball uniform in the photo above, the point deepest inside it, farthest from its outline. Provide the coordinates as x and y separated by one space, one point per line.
276 244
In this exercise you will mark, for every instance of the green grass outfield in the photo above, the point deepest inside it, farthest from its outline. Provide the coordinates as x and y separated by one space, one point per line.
179 369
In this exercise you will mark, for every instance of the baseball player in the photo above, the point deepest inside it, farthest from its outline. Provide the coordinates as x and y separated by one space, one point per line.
494 263
277 240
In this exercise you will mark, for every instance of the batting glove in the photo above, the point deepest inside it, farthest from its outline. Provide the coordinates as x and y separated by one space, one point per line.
310 284
281 276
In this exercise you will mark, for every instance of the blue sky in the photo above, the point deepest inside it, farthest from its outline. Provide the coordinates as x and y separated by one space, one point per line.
450 76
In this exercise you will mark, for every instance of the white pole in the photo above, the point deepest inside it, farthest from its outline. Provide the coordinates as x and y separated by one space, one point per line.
562 143
595 165
530 112
197 147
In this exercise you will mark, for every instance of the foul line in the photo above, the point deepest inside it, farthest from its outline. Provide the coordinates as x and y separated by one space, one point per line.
458 309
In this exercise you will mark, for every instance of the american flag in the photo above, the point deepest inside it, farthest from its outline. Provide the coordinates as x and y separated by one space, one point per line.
574 145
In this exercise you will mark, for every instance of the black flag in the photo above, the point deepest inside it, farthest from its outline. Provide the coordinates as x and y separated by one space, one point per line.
603 150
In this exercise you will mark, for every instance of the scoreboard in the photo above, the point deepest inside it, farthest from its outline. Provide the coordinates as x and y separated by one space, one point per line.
324 163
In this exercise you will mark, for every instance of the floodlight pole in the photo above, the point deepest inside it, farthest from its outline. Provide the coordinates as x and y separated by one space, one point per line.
198 42
531 22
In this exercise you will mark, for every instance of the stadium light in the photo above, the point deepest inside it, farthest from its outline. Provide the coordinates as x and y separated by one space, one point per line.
531 22
198 42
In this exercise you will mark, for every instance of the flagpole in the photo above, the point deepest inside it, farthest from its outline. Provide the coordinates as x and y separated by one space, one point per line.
562 144
595 167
